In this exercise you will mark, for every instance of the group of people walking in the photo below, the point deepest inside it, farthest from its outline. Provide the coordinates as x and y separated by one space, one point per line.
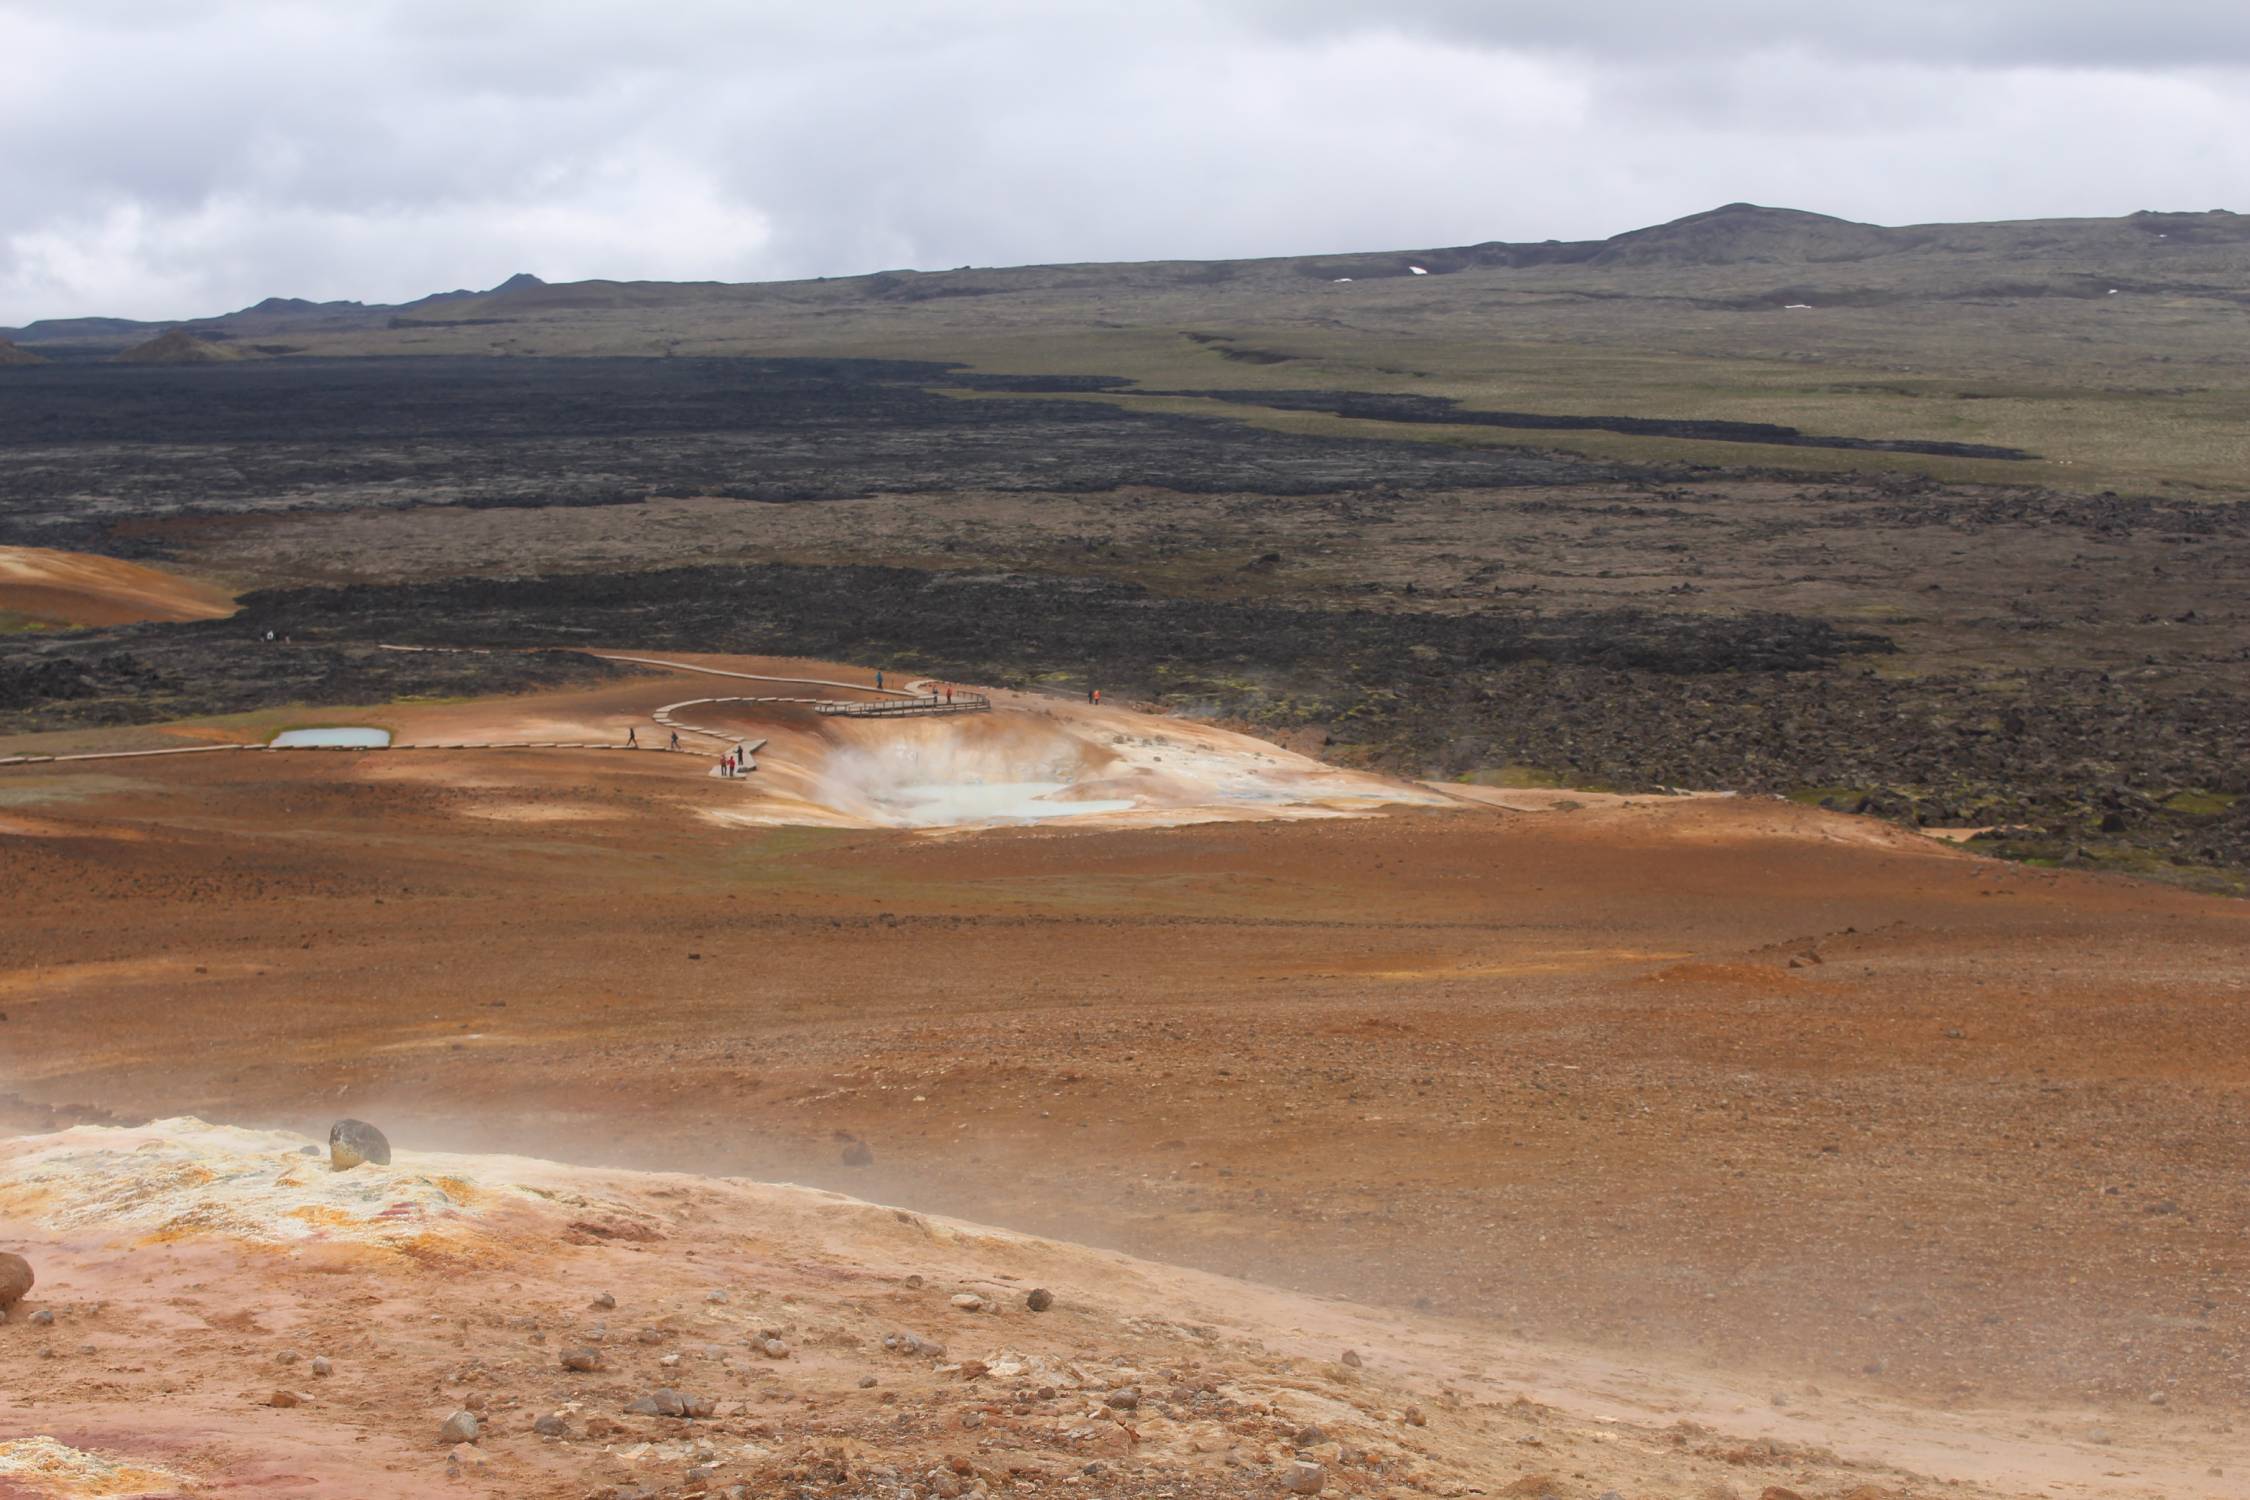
735 762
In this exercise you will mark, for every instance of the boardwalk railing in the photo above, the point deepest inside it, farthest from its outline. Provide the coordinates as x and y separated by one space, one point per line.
898 708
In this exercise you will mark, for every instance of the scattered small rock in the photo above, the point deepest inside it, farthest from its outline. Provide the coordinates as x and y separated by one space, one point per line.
1310 1436
321 1365
666 1402
582 1359
715 1295
1124 1398
605 1300
285 1398
461 1427
353 1143
1040 1299
1304 1477
45 1318
551 1425
1415 1417
2157 1398
968 1301
867 1382
1351 1357
774 1348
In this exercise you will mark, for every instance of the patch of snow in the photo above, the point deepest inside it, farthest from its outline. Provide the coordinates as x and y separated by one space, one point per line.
1418 270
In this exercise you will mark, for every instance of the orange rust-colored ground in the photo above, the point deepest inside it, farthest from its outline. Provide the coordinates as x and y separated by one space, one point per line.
1700 1080
78 588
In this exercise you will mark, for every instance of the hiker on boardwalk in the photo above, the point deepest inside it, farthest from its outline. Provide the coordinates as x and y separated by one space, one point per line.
632 737
1097 698
675 739
949 695
878 679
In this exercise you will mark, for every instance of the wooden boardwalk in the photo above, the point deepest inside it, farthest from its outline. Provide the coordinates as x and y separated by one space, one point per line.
930 703
918 697
75 757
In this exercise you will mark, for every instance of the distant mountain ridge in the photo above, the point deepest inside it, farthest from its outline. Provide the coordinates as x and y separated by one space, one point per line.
274 316
2081 257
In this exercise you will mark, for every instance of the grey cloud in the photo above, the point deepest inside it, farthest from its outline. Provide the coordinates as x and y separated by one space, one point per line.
173 159
1976 34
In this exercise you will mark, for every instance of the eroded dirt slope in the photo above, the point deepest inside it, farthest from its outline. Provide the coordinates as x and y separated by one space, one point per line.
219 1312
1691 1080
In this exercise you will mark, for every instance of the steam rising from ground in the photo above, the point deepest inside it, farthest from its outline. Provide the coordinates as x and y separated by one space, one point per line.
935 781
1038 762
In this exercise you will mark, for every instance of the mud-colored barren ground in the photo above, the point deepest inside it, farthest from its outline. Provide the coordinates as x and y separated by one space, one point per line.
1730 1093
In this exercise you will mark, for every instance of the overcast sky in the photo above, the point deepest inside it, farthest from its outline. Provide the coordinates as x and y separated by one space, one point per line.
173 158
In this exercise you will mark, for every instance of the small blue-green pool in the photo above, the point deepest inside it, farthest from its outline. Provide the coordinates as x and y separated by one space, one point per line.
346 739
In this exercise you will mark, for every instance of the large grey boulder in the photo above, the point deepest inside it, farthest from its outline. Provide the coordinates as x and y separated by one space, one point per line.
352 1142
